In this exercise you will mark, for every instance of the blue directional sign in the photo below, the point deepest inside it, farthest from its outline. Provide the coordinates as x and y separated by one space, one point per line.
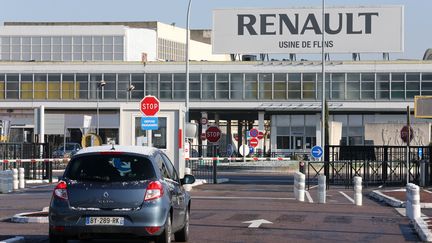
251 150
317 152
420 153
230 150
149 123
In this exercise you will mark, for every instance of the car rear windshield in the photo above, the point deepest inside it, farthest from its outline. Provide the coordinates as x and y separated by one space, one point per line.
110 168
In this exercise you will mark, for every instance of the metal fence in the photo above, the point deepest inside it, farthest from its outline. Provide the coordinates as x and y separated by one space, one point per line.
377 165
24 150
203 168
33 157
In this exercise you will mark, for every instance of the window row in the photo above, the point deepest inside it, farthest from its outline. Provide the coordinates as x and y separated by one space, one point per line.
62 48
216 86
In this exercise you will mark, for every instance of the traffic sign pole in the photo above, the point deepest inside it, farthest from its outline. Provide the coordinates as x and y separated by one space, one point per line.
408 145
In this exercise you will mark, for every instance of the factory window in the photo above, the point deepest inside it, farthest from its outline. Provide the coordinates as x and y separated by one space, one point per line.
265 86
166 86
397 86
338 86
195 85
179 86
251 86
353 86
222 86
208 86
26 86
294 86
236 86
12 86
383 86
280 86
309 81
368 86
152 84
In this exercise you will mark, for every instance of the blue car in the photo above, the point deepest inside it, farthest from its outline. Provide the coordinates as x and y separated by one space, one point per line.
66 151
120 192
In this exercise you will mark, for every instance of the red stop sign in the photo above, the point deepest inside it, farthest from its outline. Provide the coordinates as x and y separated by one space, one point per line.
149 105
253 142
404 133
213 134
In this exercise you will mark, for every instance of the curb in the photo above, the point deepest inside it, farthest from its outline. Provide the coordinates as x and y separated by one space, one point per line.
387 199
24 217
422 229
16 239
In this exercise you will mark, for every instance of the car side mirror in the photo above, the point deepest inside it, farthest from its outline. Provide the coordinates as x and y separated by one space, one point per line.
188 179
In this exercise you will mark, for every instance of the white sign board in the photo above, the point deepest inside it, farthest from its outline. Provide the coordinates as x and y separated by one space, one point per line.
87 121
298 30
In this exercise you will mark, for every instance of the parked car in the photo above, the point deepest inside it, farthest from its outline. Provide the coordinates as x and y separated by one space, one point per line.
66 151
120 191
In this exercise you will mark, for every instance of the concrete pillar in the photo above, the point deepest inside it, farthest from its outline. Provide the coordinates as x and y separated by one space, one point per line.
21 178
412 206
15 179
322 189
358 197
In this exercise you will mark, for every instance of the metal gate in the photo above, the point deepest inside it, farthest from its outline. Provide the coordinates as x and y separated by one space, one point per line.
377 165
203 168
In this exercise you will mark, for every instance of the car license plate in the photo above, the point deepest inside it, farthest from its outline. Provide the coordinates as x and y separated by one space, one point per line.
104 221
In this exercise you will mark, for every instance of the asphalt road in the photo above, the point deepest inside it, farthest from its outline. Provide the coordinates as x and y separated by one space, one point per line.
222 213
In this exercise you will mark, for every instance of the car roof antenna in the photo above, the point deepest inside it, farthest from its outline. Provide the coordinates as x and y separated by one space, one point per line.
112 148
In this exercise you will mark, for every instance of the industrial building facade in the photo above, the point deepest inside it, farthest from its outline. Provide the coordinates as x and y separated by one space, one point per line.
45 66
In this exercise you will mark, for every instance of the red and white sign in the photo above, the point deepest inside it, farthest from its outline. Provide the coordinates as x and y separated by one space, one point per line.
260 135
204 121
186 150
213 134
149 105
203 136
253 142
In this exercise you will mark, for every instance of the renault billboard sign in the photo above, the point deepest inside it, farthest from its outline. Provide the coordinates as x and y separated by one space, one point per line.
298 30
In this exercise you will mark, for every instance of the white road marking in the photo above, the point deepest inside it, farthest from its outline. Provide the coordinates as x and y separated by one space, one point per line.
248 198
256 223
309 197
312 187
348 197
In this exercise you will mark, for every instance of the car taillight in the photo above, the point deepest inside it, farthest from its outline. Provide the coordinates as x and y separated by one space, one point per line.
152 229
154 191
60 191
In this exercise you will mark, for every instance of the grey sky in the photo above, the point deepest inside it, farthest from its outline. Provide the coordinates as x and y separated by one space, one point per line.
418 34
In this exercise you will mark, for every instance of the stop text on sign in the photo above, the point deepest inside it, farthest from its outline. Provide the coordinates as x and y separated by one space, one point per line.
149 105
213 134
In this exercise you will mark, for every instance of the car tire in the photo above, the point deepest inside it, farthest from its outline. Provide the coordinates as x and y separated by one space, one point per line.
183 234
56 238
166 235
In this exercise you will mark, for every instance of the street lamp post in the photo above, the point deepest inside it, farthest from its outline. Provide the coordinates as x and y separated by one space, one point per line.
323 132
99 86
187 63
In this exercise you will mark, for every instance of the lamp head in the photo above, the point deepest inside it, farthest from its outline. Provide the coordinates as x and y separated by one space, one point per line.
102 83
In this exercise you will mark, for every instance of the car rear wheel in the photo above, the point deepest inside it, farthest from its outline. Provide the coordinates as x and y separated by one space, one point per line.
165 237
183 234
56 238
